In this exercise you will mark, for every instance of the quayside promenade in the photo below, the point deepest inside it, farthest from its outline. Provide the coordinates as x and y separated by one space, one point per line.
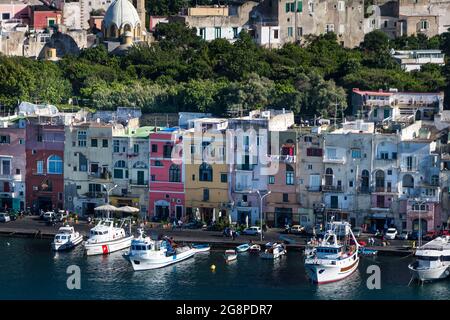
33 227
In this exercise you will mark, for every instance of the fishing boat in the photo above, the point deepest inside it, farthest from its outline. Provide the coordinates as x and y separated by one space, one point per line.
230 255
254 248
432 260
243 247
147 254
201 247
330 259
105 238
66 238
273 251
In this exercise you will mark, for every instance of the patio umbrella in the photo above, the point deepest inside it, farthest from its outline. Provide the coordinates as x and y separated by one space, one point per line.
128 209
246 220
197 214
106 207
229 218
214 215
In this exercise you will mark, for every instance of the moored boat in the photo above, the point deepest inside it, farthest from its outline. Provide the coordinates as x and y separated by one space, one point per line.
255 248
432 260
105 238
273 251
331 260
66 238
367 252
230 255
201 247
243 247
147 254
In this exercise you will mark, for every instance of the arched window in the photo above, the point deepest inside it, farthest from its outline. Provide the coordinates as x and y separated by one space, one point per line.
113 31
174 173
205 172
120 164
55 165
435 180
379 180
408 181
140 165
289 174
126 28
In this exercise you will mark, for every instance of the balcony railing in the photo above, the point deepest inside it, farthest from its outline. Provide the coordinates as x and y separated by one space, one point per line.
283 158
94 194
333 160
245 167
328 188
244 204
139 183
314 188
11 177
100 175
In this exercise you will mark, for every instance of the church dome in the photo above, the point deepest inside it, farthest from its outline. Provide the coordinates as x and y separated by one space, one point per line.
122 15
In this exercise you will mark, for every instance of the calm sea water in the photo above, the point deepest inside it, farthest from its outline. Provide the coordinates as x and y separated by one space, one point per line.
30 270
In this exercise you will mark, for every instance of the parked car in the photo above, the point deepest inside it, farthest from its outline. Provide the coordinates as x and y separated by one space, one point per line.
4 217
252 231
404 235
430 235
193 225
296 229
49 215
390 234
357 232
360 242
61 216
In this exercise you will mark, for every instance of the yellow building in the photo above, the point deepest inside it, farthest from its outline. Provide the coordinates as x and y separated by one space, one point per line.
206 171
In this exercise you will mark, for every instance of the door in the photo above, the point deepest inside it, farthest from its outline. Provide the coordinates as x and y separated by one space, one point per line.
334 203
140 178
179 212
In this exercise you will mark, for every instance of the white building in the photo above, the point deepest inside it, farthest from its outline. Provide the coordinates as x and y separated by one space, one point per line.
414 59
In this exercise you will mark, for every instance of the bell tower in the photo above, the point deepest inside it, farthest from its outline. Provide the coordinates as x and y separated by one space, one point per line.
140 8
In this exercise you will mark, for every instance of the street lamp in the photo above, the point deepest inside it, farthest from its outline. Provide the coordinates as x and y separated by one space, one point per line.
108 191
420 203
261 198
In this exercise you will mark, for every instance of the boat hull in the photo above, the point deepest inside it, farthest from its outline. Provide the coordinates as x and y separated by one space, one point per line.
141 263
107 246
201 248
67 245
429 274
242 248
327 273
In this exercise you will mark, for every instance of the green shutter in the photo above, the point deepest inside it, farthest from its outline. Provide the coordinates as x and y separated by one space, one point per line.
287 7
299 6
293 6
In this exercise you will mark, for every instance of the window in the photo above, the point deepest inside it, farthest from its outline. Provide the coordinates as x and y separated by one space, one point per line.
174 173
331 153
356 153
153 177
167 151
6 16
389 172
329 27
275 34
289 175
300 31
271 180
235 33
423 24
202 34
21 141
82 136
384 155
95 187
94 143
292 6
314 152
341 6
116 145
158 163
311 6
136 148
105 143
55 165
82 162
309 166
375 113
217 32
205 172
17 171
119 170
285 197
394 155
299 6
40 167
154 148
386 113
223 177
350 183
5 139
205 194
290 32
288 7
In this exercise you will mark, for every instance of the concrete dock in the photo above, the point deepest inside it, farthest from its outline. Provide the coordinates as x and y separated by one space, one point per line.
32 227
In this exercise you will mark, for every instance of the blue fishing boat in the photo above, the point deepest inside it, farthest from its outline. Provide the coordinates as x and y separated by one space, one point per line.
367 252
243 247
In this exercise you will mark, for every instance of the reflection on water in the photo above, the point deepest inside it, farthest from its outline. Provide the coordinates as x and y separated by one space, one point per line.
30 270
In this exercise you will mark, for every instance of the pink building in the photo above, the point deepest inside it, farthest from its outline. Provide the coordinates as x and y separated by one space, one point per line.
14 11
429 214
166 198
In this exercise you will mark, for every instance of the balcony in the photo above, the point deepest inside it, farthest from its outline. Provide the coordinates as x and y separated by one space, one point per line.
242 187
329 188
10 177
135 183
94 195
244 204
415 214
363 189
100 175
245 167
283 158
334 160
314 188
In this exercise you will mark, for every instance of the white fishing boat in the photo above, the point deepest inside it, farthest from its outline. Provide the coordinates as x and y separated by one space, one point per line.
432 260
331 260
273 251
230 255
147 254
255 248
66 238
105 238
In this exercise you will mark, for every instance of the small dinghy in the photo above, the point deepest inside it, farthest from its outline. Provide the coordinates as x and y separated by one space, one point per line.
201 247
273 252
230 255
243 247
255 248
367 252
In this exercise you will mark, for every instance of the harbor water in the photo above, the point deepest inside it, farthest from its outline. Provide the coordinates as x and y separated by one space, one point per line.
30 270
